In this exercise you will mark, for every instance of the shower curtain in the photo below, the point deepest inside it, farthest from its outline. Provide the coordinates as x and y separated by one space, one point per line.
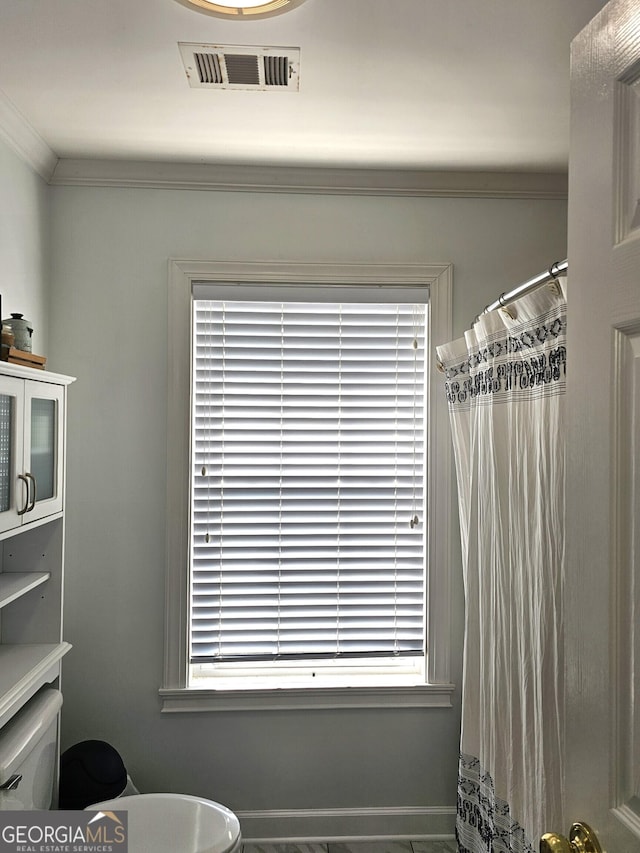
505 383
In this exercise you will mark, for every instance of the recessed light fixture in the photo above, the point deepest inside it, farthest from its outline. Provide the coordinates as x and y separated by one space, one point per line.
242 10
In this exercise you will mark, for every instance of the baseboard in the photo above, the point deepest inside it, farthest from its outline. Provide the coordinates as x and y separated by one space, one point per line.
309 825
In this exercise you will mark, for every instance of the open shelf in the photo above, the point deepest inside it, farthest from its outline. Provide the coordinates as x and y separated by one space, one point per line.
24 668
15 584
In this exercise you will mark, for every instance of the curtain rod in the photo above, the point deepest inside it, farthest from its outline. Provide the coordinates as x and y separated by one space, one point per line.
551 274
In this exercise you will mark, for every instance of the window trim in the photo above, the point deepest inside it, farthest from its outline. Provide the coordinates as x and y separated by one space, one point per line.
176 696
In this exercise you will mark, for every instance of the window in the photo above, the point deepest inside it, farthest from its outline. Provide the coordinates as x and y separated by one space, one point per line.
307 480
306 529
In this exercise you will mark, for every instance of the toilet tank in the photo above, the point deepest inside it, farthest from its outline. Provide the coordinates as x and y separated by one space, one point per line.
28 753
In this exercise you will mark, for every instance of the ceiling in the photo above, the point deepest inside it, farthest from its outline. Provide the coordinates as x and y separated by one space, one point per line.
387 84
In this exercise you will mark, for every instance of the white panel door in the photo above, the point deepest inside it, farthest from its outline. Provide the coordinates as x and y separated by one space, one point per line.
602 588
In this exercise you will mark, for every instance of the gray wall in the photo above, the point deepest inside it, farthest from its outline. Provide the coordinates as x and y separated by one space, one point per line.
106 298
24 245
109 328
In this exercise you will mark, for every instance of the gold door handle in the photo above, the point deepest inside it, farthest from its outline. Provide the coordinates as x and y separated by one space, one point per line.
582 839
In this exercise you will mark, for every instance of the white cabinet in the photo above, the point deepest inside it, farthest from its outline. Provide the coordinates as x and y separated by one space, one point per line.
32 445
32 415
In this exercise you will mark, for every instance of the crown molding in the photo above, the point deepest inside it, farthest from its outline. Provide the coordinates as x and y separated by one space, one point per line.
288 179
26 142
31 147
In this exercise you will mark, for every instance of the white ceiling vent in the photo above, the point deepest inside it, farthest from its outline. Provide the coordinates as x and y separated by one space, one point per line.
210 66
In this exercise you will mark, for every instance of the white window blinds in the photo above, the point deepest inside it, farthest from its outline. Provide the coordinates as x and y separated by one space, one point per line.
308 474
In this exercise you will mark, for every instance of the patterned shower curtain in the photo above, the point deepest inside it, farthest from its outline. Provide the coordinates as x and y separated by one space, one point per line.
505 383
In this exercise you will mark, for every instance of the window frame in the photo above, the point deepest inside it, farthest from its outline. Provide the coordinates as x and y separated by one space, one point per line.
436 690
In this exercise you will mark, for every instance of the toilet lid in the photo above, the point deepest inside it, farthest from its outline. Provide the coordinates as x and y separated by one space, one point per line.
167 823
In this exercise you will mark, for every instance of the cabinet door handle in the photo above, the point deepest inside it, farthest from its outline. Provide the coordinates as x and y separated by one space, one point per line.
26 501
35 491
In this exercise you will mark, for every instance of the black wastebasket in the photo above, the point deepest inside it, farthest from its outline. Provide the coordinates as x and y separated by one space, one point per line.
90 771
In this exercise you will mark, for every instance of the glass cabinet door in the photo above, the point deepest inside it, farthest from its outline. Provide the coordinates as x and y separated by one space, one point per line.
43 448
42 453
14 489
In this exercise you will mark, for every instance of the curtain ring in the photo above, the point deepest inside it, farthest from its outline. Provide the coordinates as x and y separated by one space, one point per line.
510 311
506 307
554 284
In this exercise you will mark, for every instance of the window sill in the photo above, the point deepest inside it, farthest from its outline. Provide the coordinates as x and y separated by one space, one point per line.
319 698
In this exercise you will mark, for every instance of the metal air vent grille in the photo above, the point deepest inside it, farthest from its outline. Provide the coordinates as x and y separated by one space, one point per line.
258 68
276 70
208 65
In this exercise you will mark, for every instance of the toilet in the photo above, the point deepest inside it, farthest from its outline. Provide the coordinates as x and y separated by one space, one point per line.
29 753
157 823
176 823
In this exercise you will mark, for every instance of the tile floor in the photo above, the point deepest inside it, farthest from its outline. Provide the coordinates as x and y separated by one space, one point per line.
391 846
